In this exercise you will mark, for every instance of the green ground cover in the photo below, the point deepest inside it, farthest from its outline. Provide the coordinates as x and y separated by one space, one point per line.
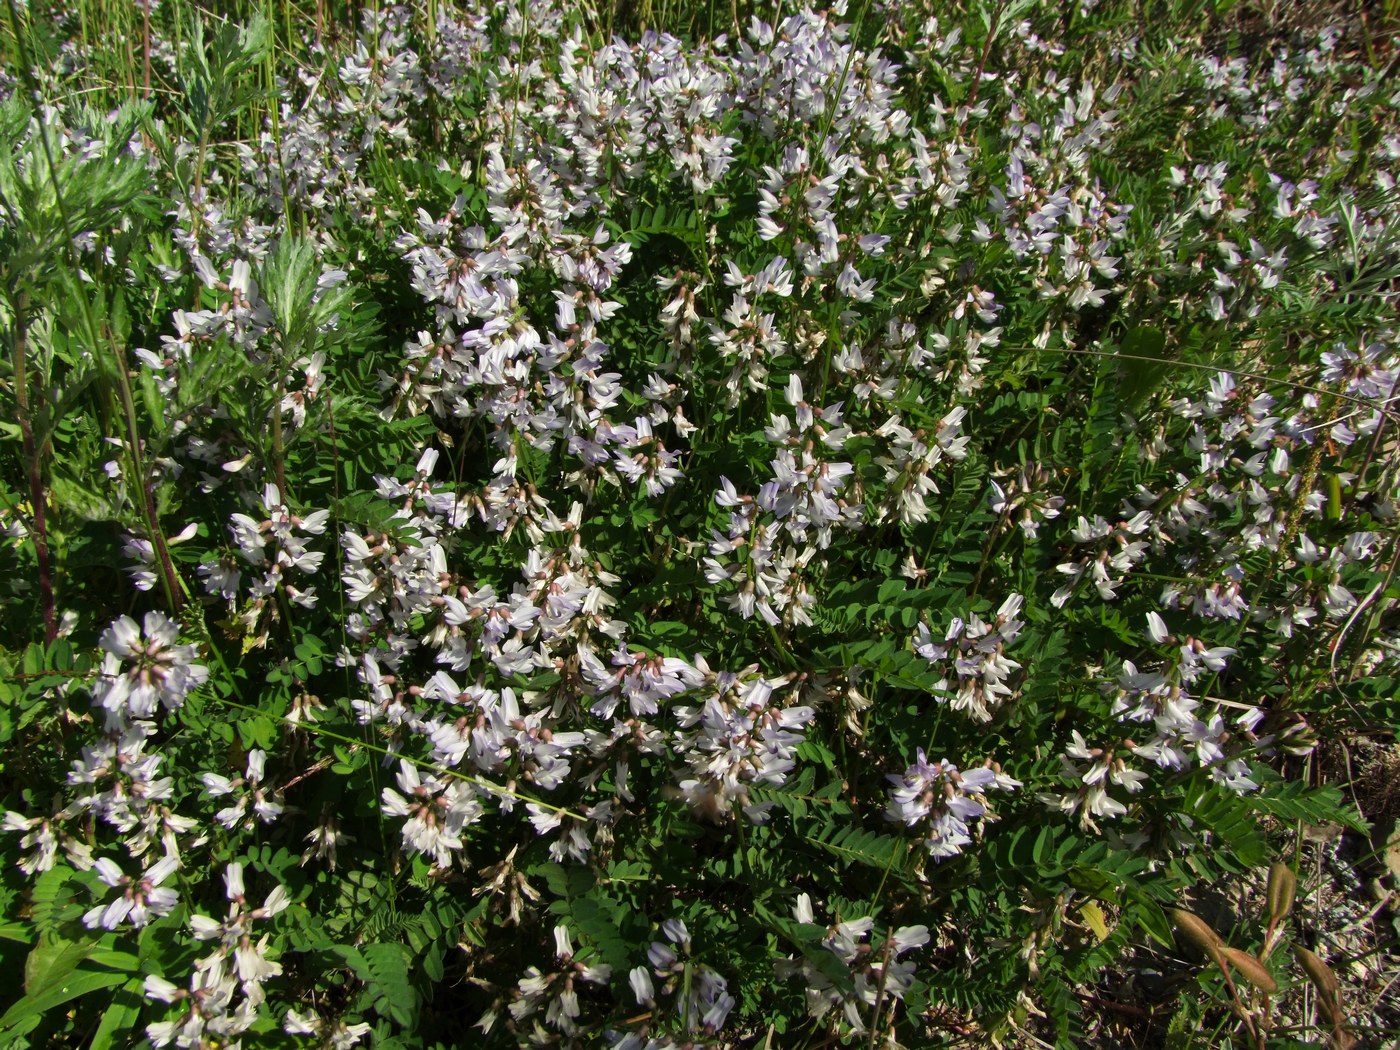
669 526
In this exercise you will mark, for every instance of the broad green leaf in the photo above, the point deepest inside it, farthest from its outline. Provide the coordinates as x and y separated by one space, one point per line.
50 962
16 931
77 983
120 1017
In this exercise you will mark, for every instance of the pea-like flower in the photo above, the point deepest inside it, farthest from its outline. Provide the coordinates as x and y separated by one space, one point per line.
141 900
946 800
144 667
436 811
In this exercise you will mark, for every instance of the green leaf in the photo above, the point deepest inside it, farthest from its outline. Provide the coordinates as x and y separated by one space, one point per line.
889 590
15 931
77 499
1152 919
1144 364
1093 917
1294 800
564 881
120 1017
388 967
50 962
77 983
257 732
855 845
594 917
432 961
114 960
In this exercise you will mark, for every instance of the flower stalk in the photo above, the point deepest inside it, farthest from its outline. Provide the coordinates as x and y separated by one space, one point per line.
34 468
145 484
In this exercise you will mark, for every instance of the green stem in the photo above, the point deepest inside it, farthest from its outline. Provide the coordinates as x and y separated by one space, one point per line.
782 649
146 49
1378 406
33 463
279 465
880 988
982 61
96 336
145 485
274 113
485 785
987 550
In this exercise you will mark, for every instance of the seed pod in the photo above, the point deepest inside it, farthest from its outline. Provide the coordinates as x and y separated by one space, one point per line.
1329 989
1252 970
1283 884
1330 1011
1198 932
1321 975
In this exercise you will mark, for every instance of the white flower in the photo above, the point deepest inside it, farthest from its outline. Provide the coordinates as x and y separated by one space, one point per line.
437 812
1157 628
946 799
145 668
141 899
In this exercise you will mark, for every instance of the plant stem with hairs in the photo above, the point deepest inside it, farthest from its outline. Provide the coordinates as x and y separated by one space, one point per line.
34 469
279 458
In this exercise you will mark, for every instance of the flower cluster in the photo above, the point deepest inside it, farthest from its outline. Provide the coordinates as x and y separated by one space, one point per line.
556 993
436 812
1113 555
673 396
739 737
943 802
144 670
973 660
877 975
248 792
675 987
226 988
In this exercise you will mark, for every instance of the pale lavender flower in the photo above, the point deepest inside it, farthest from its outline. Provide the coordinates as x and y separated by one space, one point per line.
973 659
946 800
145 667
877 971
141 899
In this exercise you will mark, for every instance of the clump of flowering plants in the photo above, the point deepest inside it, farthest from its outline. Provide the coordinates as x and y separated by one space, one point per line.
804 528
